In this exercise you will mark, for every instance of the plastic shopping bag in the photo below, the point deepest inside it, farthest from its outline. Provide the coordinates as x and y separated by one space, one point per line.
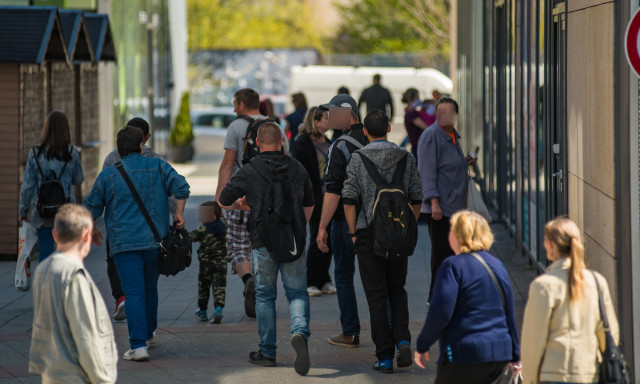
475 202
27 240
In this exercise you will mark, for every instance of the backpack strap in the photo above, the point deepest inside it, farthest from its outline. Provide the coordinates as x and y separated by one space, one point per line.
35 156
136 197
372 170
350 140
398 175
247 136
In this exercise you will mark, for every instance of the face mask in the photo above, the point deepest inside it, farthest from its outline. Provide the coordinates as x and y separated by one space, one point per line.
416 104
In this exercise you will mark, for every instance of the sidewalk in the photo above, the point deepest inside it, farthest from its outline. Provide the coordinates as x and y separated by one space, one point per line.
192 351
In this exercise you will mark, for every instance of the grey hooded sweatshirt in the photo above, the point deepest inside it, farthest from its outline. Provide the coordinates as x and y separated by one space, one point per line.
359 184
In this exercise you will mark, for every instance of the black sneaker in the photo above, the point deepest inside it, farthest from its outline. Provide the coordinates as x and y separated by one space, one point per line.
301 362
404 355
258 359
250 297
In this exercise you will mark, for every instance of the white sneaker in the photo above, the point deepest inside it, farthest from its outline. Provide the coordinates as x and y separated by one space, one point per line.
152 340
314 291
138 354
329 288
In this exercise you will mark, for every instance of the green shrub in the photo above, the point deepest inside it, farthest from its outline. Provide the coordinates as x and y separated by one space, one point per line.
182 133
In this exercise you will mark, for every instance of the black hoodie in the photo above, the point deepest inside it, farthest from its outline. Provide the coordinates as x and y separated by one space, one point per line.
250 183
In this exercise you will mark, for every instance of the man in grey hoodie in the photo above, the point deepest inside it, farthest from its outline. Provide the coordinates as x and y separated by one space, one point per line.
383 279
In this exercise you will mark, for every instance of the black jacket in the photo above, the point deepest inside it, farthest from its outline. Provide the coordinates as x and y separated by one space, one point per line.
339 156
305 152
376 97
250 183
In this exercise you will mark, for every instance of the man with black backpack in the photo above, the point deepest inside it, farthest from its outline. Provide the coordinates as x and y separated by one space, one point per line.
277 192
239 147
384 180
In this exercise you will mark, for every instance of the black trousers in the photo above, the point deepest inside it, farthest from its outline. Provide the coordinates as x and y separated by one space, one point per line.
383 281
476 373
114 279
318 262
440 248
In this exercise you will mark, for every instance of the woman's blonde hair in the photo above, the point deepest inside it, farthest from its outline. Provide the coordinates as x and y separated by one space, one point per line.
472 231
309 125
565 235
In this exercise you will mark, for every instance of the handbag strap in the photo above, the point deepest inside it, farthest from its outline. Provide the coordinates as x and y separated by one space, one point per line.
492 275
136 197
603 312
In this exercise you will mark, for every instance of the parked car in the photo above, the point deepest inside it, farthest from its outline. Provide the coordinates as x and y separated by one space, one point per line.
211 121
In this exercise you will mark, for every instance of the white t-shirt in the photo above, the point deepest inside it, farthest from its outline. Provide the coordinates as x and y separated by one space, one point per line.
236 133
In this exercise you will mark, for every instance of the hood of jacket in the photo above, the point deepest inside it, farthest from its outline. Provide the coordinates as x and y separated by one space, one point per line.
384 154
276 161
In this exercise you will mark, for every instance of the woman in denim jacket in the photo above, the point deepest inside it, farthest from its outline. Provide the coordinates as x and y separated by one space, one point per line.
52 153
134 248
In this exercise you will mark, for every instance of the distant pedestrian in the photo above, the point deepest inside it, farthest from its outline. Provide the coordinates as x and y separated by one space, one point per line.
212 254
377 97
286 179
342 111
436 95
414 122
293 120
266 109
312 151
54 158
343 90
72 339
471 314
383 276
562 334
112 273
443 171
134 247
246 104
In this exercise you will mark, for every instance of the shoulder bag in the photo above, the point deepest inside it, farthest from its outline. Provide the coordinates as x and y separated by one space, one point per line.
174 254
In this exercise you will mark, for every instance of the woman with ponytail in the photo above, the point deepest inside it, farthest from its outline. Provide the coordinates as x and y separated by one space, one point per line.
562 334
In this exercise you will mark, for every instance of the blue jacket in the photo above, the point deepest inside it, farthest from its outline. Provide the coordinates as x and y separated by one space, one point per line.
443 170
466 314
155 180
73 175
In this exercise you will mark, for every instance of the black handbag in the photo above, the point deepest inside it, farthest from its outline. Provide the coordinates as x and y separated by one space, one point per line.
174 254
613 369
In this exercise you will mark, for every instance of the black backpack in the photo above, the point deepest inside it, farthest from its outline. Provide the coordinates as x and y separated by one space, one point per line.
250 148
51 195
393 226
284 227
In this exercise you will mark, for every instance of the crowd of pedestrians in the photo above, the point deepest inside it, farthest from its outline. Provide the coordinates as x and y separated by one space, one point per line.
277 213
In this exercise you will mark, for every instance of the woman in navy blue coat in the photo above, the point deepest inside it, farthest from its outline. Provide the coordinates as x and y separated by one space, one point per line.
475 328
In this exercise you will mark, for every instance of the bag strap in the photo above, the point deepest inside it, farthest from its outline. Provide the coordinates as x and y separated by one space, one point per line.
136 197
249 120
351 140
398 175
371 170
35 156
493 277
603 312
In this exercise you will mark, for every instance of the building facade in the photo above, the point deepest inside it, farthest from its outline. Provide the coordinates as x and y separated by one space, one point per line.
547 96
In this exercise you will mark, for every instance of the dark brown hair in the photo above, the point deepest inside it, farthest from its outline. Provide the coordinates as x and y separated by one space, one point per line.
248 97
128 140
447 100
56 138
216 207
299 101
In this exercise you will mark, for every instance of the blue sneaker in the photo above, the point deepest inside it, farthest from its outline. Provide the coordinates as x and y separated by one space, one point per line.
202 315
217 316
384 366
404 354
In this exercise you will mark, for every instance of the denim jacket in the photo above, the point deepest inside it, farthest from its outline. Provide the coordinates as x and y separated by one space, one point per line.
155 180
72 175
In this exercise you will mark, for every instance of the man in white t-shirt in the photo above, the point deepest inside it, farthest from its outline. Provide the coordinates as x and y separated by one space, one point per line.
245 104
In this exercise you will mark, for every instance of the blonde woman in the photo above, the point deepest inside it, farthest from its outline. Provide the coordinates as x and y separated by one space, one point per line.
562 331
311 149
475 328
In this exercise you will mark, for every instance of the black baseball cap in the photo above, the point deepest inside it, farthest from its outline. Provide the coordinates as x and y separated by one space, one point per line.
341 100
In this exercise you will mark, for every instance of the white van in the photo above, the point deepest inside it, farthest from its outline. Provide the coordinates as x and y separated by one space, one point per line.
320 83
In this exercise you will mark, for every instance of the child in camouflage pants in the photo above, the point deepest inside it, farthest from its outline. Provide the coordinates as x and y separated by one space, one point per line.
212 254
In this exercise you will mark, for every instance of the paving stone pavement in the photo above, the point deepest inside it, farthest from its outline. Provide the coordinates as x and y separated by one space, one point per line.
191 351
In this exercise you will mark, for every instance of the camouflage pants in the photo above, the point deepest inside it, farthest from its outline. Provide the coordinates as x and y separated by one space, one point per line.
212 274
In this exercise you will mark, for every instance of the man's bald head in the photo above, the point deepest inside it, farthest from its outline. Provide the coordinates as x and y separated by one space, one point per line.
269 137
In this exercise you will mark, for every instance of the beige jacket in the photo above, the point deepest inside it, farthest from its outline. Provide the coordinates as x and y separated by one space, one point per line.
72 339
561 341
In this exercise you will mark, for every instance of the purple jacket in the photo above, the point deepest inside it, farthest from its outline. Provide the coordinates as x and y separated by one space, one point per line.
443 170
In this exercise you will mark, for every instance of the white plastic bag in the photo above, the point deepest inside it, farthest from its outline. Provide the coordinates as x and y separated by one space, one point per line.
27 240
475 202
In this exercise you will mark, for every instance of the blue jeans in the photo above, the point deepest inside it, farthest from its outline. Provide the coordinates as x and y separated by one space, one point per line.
46 244
294 279
138 271
344 258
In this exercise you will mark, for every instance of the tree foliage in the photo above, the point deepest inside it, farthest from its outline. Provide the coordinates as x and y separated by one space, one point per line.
246 24
372 26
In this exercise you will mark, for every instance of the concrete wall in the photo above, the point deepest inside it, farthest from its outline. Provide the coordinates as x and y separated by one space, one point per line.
590 121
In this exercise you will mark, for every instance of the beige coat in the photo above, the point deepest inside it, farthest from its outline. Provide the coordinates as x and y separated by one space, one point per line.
561 341
72 339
